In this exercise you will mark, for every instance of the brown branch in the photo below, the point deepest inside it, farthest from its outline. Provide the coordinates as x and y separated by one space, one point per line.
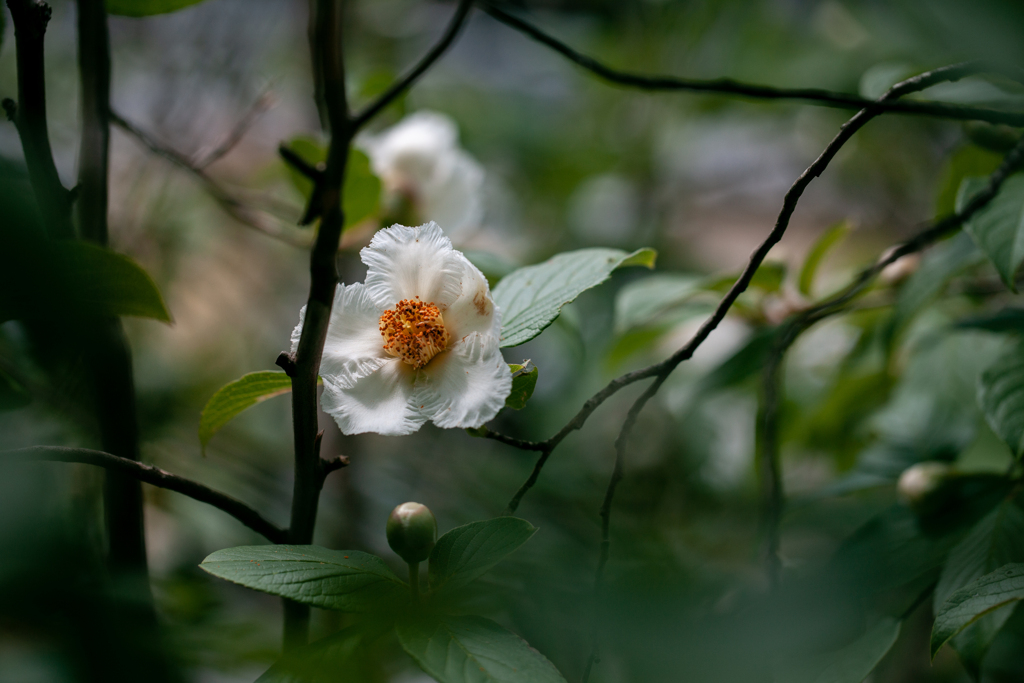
237 209
264 102
405 82
665 367
733 88
155 477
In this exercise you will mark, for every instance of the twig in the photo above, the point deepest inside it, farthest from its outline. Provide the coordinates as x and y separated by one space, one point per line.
29 116
665 367
155 477
402 84
264 102
244 214
730 87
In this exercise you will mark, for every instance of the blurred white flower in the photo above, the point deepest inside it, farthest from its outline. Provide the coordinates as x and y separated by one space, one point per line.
425 173
418 341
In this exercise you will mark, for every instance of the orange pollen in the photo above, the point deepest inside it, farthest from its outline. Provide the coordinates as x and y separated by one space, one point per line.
414 331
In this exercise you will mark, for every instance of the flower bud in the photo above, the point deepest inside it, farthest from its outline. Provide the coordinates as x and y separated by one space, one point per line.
919 483
412 531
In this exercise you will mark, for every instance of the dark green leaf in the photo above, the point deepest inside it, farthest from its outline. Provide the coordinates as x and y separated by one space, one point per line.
347 580
530 298
234 397
982 596
1006 320
941 264
768 278
12 394
851 664
466 552
745 363
334 659
641 302
361 196
831 237
966 162
473 650
523 385
1001 397
998 228
145 8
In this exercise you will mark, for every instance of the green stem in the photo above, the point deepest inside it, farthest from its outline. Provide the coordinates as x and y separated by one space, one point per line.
414 580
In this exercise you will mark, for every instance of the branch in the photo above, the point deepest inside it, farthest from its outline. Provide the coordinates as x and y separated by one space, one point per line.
264 102
664 368
730 87
244 214
155 477
401 85
29 116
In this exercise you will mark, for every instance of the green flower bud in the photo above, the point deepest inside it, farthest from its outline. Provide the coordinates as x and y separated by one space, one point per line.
412 531
920 483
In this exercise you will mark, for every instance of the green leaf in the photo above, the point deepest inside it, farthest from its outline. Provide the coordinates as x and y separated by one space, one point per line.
768 278
1008 319
108 282
1001 397
1002 587
942 263
851 664
530 298
466 552
996 540
361 195
641 302
831 237
338 658
967 161
473 650
745 363
234 397
998 228
145 8
523 385
346 580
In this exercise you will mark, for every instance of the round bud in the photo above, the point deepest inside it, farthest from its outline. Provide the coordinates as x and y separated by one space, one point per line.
919 483
412 531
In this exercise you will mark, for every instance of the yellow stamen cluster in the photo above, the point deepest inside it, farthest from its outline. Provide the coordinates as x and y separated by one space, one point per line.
414 331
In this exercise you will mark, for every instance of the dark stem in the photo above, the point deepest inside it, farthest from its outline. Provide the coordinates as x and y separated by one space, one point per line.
405 82
732 88
155 477
30 19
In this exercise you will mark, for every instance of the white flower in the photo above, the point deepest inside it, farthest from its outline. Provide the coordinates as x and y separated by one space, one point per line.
418 341
419 161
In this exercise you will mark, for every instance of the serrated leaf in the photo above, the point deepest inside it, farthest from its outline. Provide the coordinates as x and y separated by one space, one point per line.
996 540
530 298
1001 397
466 552
523 385
145 8
641 302
473 650
235 397
998 227
982 596
346 580
851 664
828 239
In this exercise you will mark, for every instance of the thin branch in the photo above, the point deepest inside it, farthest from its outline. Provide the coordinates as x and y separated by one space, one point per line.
665 367
264 102
29 116
402 84
155 477
733 88
244 214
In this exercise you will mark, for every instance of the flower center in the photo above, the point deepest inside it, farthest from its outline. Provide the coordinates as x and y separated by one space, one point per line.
414 331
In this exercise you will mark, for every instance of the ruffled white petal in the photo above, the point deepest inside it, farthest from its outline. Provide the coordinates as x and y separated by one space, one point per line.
465 386
297 332
353 347
382 401
474 310
404 263
453 196
408 152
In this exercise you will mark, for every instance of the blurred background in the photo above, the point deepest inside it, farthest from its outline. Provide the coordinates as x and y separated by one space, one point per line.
561 161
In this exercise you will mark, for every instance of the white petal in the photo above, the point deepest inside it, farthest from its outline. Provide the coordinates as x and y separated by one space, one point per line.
465 386
453 197
382 401
409 150
412 262
474 310
297 332
353 347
